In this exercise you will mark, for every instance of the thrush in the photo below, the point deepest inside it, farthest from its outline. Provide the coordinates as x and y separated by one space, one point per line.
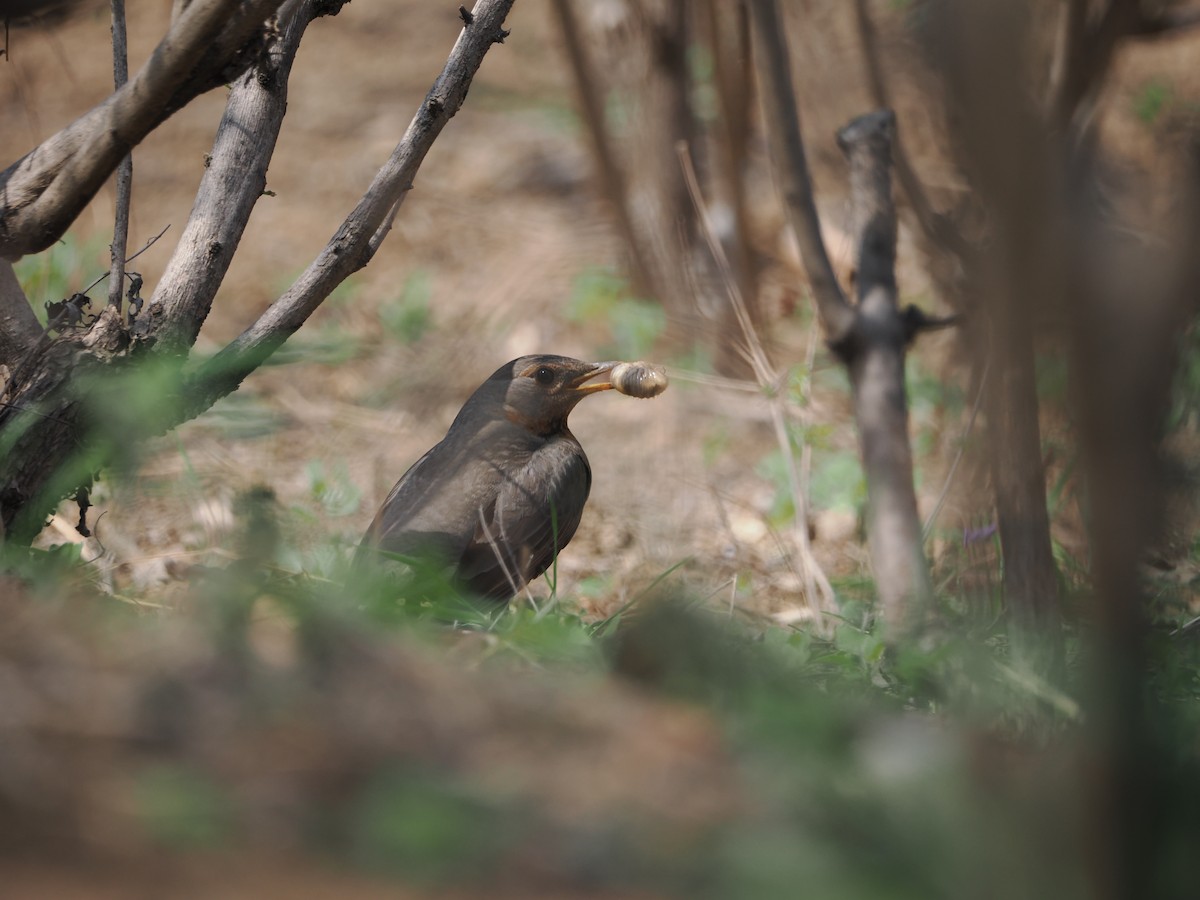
503 492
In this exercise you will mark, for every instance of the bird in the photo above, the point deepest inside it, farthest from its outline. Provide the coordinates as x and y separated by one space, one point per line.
503 492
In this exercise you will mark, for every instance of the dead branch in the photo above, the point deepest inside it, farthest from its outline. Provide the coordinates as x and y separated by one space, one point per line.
357 239
733 75
42 193
611 177
781 115
875 357
51 400
935 226
120 241
234 178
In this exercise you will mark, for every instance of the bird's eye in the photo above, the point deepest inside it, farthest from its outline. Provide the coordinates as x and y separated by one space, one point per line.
544 375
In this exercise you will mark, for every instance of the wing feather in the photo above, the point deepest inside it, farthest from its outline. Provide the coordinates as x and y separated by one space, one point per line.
536 513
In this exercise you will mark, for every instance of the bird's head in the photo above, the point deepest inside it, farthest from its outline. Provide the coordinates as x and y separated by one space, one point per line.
539 392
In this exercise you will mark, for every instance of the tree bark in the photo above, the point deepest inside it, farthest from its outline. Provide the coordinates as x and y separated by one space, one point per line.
790 167
1017 276
235 177
359 236
1030 577
875 354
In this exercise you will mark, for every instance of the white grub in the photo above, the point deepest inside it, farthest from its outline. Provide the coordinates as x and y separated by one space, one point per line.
639 379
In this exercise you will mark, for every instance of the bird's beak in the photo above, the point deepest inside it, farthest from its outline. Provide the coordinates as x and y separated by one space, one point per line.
578 385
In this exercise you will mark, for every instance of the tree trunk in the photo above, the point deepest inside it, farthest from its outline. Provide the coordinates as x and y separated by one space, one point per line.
1030 578
875 357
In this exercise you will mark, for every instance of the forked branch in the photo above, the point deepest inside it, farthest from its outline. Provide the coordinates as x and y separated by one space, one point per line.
782 119
870 336
359 236
42 193
235 177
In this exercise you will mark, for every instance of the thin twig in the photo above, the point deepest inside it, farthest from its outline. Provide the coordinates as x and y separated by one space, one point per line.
150 243
936 227
611 176
352 246
810 355
790 167
120 241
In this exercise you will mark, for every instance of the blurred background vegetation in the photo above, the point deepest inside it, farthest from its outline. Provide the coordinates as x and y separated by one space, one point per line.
202 699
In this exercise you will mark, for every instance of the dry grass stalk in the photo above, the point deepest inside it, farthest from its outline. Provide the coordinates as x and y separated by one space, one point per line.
818 592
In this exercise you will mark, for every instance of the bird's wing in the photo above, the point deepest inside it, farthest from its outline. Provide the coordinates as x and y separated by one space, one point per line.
536 513
432 510
394 511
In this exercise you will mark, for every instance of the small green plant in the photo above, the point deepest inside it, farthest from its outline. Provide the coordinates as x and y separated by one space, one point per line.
600 297
1152 101
69 266
333 489
426 827
243 417
182 808
326 344
408 317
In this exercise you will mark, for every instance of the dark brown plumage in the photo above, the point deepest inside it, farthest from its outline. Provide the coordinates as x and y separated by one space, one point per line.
504 490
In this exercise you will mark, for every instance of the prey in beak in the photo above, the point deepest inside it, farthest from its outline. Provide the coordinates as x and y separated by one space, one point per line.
634 379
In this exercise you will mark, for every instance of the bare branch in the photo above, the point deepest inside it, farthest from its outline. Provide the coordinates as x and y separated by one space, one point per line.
611 178
867 145
936 227
354 243
1070 55
1088 54
42 193
120 241
234 178
876 363
791 168
1167 23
